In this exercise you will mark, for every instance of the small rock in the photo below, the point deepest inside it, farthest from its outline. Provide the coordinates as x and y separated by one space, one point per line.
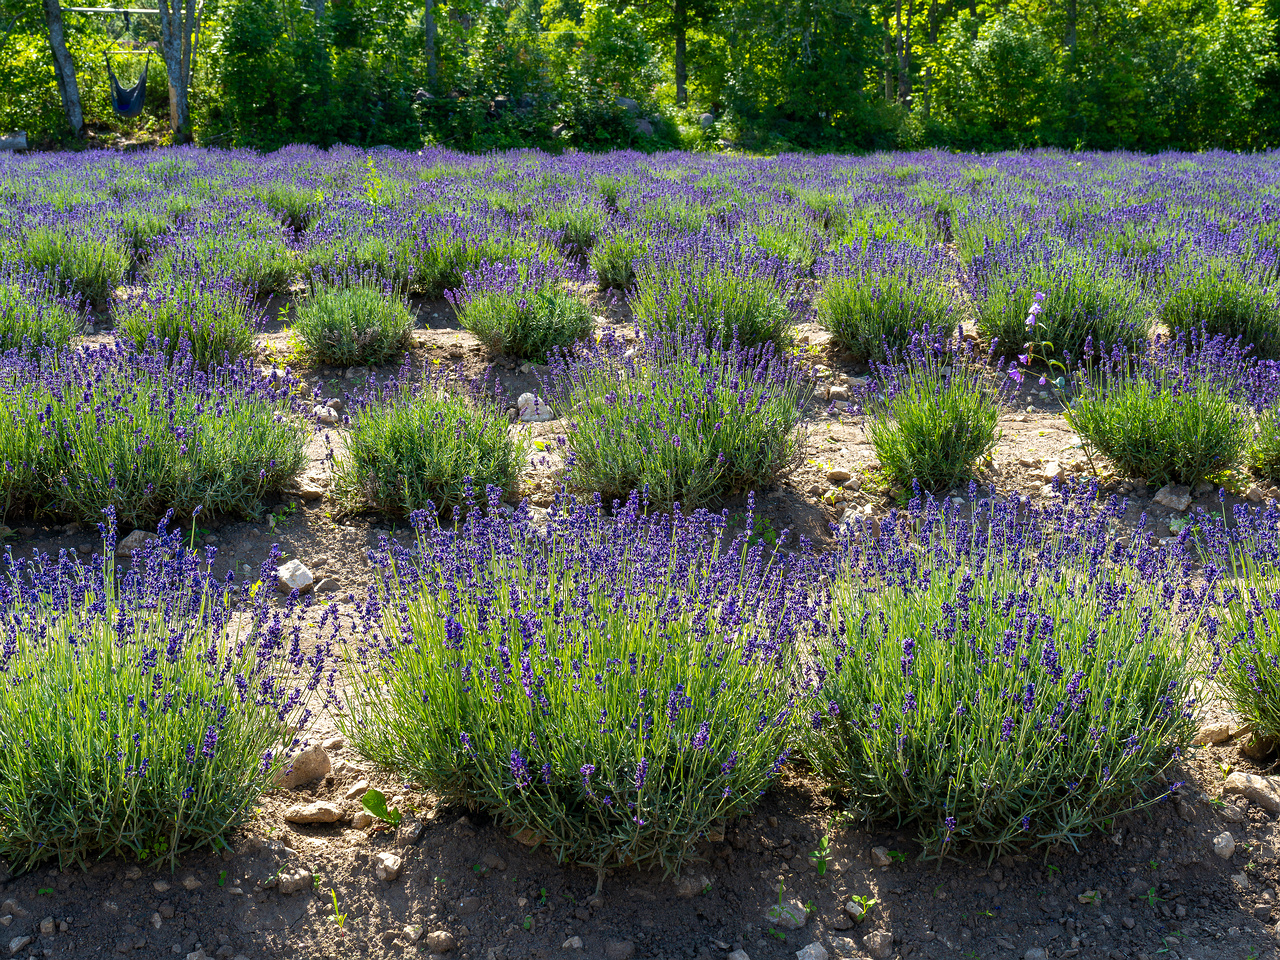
1128 923
812 951
357 790
1264 791
191 883
408 833
308 766
838 475
855 910
1254 493
291 880
1036 953
625 950
1224 845
134 541
573 943
47 926
318 812
533 409
440 941
1174 496
495 862
292 575
133 872
1259 748
1214 731
17 943
879 943
1052 471
412 933
328 585
880 857
362 820
706 121
325 414
838 394
1231 813
1262 912
691 885
387 866
789 916
1241 880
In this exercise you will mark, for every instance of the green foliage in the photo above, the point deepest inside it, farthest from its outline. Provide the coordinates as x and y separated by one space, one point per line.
212 322
941 706
422 443
1082 303
678 421
526 322
729 303
614 258
109 750
1226 303
84 266
866 315
1164 432
935 419
1263 449
353 326
31 320
696 727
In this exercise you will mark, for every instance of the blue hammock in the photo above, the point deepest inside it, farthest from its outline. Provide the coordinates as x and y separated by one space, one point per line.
128 102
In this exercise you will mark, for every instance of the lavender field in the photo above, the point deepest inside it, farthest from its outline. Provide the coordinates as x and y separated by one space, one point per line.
852 555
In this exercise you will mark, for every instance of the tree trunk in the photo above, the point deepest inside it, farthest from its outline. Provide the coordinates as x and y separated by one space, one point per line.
905 87
682 73
64 68
1071 28
179 34
429 42
889 73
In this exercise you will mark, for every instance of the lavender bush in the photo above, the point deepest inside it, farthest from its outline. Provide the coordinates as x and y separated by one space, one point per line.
609 688
1221 301
143 710
86 267
1000 680
876 297
356 324
143 434
32 315
211 321
676 419
417 442
1171 415
935 415
522 309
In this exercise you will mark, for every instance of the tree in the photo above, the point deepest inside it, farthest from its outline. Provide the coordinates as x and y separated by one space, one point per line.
64 68
179 34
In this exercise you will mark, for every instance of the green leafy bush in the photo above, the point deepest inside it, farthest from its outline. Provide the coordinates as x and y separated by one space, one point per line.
522 310
32 318
677 420
124 741
418 443
999 681
211 321
1228 304
613 260
1085 310
1166 417
86 267
616 727
353 325
144 434
875 299
937 415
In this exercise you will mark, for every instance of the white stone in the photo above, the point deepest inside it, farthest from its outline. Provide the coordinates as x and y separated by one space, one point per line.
17 943
812 951
1213 731
1224 845
1053 471
134 541
325 414
789 916
292 575
838 475
573 943
739 955
880 857
314 813
357 791
879 943
1264 791
191 883
413 932
1174 496
294 879
306 767
691 885
534 409
386 866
